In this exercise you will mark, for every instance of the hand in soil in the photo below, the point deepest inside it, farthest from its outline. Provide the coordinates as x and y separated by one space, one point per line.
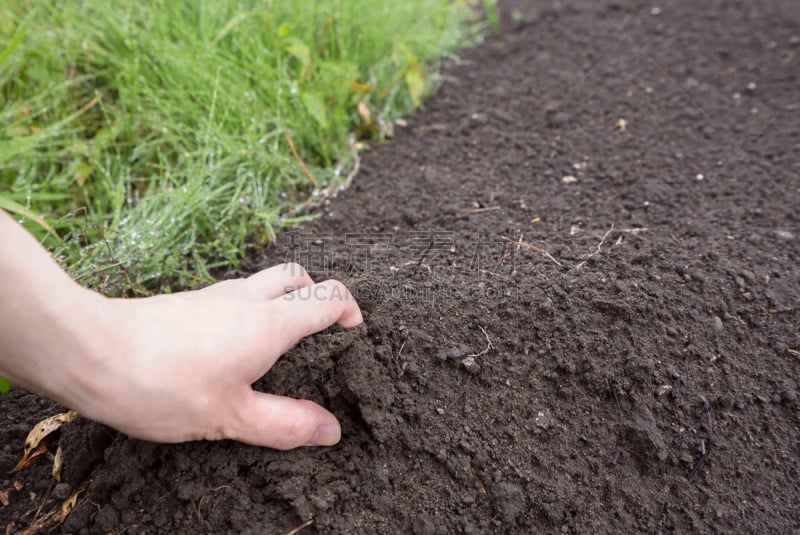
188 360
168 368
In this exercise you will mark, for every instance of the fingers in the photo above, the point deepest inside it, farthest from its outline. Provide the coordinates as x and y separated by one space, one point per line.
278 280
311 309
285 423
268 283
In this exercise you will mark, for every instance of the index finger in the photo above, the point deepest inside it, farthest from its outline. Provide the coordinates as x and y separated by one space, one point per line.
309 310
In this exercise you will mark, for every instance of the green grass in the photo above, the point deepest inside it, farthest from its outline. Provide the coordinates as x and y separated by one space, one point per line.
146 143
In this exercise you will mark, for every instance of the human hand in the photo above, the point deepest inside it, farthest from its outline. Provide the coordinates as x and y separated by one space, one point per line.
180 367
168 368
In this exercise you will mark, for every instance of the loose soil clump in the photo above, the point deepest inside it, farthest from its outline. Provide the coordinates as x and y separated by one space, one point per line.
579 270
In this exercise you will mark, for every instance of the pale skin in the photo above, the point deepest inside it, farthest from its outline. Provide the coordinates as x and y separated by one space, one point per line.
168 368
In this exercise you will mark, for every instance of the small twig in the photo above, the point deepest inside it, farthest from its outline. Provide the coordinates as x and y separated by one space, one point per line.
598 250
481 210
98 271
400 351
354 172
488 346
301 162
707 445
605 237
41 505
302 526
531 247
496 275
91 104
425 252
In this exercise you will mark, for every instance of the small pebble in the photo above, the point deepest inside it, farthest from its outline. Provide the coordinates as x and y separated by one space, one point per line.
716 324
61 491
672 331
457 352
789 395
470 365
543 420
557 119
412 369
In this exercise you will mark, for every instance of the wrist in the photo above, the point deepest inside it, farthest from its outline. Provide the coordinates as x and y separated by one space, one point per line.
63 344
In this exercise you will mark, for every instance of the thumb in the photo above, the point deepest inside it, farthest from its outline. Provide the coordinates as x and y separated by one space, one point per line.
285 423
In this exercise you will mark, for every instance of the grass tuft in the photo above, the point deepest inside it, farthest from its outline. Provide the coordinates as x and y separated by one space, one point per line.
146 143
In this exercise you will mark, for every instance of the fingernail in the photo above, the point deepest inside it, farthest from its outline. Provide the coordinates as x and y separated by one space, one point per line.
326 435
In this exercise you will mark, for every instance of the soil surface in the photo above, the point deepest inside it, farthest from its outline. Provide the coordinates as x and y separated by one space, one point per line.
589 231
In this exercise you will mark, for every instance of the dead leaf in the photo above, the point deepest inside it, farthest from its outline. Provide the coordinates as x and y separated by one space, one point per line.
364 112
39 432
58 463
415 82
10 527
27 460
4 495
45 427
358 86
69 504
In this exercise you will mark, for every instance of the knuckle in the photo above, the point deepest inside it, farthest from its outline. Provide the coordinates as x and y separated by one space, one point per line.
298 276
337 290
295 270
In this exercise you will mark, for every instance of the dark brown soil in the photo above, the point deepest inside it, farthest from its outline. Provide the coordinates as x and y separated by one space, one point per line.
494 388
